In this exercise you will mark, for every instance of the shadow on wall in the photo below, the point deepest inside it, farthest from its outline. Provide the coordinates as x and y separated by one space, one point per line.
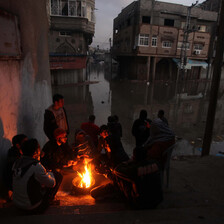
5 144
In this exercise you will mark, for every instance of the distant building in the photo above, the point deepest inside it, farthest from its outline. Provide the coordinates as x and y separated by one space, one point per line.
72 26
148 40
211 5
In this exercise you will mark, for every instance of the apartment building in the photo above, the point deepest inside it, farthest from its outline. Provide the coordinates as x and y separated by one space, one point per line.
72 26
150 39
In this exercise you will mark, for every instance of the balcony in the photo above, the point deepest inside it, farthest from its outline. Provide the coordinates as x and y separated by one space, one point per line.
72 24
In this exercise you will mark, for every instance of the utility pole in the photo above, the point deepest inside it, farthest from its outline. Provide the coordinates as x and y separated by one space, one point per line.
187 30
215 84
111 69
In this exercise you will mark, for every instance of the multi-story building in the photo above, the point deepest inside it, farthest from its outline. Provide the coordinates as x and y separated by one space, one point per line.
211 5
150 38
72 26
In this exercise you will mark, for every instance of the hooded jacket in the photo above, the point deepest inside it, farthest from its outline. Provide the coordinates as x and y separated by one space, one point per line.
30 181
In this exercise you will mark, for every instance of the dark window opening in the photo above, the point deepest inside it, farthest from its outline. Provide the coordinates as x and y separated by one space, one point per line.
128 22
168 22
146 19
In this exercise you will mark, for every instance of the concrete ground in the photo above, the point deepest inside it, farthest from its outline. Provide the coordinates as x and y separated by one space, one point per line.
195 195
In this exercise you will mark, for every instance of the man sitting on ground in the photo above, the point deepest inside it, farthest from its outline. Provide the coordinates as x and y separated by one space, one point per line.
33 187
14 153
56 152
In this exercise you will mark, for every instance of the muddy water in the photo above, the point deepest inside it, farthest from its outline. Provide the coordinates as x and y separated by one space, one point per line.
185 107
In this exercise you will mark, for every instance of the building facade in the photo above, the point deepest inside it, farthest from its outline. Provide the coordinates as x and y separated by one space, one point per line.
24 72
151 38
72 26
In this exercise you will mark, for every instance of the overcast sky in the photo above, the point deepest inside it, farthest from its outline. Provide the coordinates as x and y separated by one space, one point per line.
107 10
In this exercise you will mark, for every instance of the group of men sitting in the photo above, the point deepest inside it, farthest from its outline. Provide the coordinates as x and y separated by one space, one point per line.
37 173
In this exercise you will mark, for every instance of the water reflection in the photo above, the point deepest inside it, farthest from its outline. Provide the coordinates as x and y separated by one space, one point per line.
185 105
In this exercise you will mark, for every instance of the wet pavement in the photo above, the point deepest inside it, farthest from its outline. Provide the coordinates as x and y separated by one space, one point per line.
195 195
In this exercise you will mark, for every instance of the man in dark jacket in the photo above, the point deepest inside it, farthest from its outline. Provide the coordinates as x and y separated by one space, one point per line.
141 128
55 117
115 153
56 152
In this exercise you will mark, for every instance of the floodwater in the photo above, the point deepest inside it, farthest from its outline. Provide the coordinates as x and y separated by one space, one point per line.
185 107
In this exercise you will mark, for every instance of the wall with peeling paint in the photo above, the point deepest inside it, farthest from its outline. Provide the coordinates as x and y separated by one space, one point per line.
25 83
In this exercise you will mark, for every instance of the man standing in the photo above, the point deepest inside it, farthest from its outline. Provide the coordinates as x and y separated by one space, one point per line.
141 128
55 117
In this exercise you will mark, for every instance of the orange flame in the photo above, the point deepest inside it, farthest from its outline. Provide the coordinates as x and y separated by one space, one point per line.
86 177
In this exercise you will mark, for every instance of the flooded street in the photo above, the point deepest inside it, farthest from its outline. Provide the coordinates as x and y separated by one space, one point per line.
185 107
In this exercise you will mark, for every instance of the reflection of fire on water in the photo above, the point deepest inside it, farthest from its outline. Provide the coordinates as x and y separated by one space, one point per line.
84 180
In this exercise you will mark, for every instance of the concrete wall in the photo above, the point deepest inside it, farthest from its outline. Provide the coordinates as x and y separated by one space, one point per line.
25 84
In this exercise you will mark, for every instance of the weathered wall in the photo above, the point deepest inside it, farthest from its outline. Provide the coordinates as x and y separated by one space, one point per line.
25 84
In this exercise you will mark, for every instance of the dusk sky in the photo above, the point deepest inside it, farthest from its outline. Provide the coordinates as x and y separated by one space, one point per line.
107 10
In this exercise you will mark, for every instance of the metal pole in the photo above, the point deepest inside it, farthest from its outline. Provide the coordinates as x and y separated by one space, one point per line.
187 30
215 84
111 69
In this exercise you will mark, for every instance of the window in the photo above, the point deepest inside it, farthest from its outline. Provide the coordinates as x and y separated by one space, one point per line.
154 41
69 8
167 44
143 40
198 46
181 44
183 24
168 22
146 19
201 28
65 33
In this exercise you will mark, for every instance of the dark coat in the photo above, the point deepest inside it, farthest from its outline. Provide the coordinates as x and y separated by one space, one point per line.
140 131
55 157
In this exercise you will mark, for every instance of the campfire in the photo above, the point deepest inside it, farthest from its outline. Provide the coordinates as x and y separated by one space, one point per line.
84 180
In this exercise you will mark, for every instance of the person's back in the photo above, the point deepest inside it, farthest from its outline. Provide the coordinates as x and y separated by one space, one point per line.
161 137
114 126
91 129
30 178
161 114
83 145
118 154
141 128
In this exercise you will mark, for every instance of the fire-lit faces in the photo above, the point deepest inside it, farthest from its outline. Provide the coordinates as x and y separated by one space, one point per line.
37 154
62 139
59 104
80 138
104 133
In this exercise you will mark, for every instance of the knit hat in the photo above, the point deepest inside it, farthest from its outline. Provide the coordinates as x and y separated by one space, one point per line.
59 132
